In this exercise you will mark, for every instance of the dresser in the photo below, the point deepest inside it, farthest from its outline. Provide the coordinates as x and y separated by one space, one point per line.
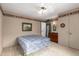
53 37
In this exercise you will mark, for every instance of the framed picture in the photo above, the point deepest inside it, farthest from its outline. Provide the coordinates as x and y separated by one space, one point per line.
54 27
26 26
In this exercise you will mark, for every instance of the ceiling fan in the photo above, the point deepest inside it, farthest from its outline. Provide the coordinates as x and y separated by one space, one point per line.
42 10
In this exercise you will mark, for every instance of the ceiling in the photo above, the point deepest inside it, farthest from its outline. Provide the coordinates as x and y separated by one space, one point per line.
31 9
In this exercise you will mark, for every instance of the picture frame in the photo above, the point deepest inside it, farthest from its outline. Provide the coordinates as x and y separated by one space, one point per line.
26 26
54 27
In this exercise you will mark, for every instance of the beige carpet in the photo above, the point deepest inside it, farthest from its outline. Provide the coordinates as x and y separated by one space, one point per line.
52 50
12 51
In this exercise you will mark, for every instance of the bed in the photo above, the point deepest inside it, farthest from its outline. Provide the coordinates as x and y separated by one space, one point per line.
33 43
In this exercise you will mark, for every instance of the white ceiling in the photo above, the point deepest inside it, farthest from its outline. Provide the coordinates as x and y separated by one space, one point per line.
31 9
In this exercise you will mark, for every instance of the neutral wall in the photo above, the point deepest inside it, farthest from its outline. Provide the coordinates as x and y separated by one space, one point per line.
0 31
12 28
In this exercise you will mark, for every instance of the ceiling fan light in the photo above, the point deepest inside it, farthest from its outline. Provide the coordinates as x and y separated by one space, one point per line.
40 12
44 11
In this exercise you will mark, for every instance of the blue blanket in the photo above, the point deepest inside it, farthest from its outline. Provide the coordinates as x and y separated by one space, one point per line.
33 43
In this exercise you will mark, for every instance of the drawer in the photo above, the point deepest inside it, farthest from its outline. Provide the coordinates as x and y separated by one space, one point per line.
53 37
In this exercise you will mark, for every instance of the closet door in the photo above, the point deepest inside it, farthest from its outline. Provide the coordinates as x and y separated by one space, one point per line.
63 31
74 31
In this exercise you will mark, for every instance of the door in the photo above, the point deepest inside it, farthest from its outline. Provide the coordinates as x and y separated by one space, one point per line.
74 31
43 29
63 32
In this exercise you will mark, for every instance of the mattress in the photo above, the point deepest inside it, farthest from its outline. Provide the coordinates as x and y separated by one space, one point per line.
33 43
